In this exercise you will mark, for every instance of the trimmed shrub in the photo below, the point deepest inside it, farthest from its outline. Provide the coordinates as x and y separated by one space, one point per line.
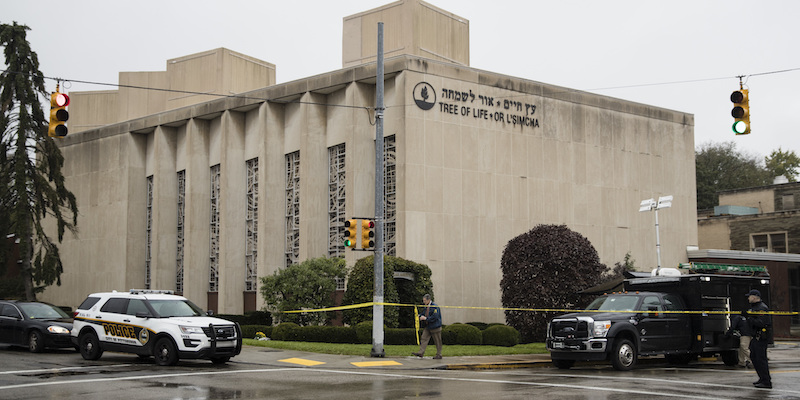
361 285
286 331
461 334
501 335
546 267
249 331
480 325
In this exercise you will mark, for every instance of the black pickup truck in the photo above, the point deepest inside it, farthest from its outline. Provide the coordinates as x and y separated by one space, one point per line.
679 316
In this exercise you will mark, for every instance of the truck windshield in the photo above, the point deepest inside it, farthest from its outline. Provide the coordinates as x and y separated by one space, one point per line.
614 303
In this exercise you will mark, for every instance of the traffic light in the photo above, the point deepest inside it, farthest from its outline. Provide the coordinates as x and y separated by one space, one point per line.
58 114
741 112
367 234
350 238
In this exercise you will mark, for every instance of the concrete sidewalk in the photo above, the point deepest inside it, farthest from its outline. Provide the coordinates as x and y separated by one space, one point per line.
782 352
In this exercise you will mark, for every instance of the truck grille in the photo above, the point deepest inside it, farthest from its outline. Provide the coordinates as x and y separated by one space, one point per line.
221 332
569 329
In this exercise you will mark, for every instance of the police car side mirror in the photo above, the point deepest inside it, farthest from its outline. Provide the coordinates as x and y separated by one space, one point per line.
142 315
210 313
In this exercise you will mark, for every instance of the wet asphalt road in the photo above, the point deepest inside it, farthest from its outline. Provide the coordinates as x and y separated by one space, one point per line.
262 373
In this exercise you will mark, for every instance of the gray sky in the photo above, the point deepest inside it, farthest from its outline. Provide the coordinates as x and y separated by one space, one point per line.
633 50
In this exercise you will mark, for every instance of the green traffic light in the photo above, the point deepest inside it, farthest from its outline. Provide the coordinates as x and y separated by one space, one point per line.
740 128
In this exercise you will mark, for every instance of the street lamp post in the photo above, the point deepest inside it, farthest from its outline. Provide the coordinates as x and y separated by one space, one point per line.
653 205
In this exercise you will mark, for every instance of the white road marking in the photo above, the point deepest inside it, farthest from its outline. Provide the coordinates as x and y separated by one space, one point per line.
56 370
403 376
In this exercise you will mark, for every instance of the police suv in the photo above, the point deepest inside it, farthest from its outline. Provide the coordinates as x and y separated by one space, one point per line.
152 323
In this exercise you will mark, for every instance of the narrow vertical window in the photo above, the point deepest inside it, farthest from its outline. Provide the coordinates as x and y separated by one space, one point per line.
213 265
336 200
148 239
251 227
390 195
181 218
292 250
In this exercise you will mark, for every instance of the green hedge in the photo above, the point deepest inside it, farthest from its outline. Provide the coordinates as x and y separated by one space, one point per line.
249 331
454 334
250 318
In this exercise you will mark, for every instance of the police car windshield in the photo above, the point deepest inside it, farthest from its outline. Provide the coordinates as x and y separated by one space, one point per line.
614 303
176 308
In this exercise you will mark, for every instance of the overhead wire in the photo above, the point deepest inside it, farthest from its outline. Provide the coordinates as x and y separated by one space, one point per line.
239 96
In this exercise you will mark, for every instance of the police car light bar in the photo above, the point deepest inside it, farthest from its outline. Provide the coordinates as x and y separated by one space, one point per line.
149 291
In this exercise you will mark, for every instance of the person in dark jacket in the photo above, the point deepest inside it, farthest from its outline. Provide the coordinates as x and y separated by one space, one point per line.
431 319
741 329
760 323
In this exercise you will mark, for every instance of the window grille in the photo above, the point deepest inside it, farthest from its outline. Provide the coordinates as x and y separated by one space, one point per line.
390 196
181 219
336 200
292 249
213 265
148 241
251 227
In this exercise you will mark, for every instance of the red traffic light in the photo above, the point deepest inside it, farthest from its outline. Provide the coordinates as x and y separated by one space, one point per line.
60 100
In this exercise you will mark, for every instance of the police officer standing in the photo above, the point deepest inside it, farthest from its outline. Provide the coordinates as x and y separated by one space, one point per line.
759 322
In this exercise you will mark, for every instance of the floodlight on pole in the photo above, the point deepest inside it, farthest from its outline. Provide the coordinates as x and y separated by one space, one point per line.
653 205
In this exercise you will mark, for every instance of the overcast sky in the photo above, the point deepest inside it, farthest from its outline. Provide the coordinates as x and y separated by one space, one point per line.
680 54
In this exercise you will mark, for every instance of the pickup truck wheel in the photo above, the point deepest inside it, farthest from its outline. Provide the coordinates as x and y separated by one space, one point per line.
730 357
624 355
563 364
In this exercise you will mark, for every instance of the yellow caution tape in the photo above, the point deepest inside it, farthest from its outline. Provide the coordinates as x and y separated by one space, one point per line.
416 323
559 310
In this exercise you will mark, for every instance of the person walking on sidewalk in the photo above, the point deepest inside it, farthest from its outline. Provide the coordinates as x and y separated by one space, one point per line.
431 319
760 324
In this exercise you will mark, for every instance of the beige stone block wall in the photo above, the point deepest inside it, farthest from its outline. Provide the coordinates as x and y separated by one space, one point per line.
764 200
714 234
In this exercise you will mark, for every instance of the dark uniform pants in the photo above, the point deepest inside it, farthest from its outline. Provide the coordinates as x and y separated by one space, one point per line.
758 354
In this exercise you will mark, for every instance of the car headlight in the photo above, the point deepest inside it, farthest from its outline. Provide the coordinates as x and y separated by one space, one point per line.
58 329
600 328
191 329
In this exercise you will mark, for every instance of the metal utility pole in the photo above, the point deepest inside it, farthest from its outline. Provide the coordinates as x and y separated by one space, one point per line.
377 307
653 205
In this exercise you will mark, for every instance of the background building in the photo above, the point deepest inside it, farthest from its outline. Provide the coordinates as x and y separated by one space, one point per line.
210 196
759 226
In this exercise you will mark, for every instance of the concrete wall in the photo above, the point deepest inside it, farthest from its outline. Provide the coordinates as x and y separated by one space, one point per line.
416 28
467 180
188 80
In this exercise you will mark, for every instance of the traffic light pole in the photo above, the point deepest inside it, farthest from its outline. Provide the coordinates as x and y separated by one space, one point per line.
377 307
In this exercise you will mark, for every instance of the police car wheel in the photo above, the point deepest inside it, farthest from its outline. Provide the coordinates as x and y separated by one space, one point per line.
35 342
165 352
220 360
89 346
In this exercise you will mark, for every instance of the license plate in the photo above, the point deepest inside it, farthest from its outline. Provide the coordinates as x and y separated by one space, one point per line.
558 345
